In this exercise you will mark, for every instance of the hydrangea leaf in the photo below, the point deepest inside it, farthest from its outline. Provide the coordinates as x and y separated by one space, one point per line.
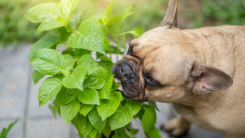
68 112
48 90
148 119
43 12
64 96
108 106
47 61
47 41
36 76
76 79
120 118
85 109
88 61
155 133
133 106
137 32
52 24
96 120
89 96
93 133
66 8
97 79
69 61
83 125
105 91
88 36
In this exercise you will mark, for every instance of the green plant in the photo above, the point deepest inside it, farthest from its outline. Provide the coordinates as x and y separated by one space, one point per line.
216 12
5 131
83 87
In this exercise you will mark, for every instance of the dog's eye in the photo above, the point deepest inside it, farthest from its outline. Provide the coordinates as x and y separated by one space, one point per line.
129 50
149 80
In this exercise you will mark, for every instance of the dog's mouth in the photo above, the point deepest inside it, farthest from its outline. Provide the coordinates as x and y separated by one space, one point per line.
129 90
120 88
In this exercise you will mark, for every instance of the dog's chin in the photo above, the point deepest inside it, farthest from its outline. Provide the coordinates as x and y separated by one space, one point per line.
128 93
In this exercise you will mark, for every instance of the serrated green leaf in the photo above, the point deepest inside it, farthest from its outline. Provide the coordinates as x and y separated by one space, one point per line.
108 106
48 90
120 118
114 49
153 104
93 133
97 79
64 96
134 131
54 109
107 43
129 134
137 32
107 130
59 76
5 131
149 119
85 109
155 133
133 106
88 61
115 86
68 112
127 12
78 53
88 36
109 9
83 125
98 135
96 120
47 61
89 96
66 8
69 61
36 76
47 41
43 12
68 51
76 79
114 25
52 24
105 91
64 34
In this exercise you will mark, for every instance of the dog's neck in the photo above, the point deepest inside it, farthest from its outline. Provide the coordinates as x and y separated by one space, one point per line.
220 56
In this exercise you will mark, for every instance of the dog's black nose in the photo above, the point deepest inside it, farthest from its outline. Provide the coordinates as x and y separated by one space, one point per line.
125 72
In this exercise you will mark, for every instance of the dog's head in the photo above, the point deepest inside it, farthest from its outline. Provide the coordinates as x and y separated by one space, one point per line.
163 65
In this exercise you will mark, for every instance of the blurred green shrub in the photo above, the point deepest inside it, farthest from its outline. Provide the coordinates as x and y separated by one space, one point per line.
219 12
15 28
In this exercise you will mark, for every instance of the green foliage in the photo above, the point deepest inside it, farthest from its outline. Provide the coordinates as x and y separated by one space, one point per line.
48 90
5 131
219 13
83 87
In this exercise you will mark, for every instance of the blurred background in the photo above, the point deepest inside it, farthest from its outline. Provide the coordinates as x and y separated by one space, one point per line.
15 28
18 95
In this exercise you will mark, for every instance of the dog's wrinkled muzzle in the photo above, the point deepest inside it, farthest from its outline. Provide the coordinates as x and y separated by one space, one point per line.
126 73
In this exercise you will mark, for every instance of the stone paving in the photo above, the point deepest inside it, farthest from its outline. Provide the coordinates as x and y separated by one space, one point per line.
18 99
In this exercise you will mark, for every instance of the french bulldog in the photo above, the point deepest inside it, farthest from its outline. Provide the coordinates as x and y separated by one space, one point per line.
201 71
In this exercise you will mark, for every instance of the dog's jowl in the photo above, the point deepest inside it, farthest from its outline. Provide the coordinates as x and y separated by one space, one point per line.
201 71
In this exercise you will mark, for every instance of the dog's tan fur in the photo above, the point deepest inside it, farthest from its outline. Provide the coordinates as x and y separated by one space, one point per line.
173 57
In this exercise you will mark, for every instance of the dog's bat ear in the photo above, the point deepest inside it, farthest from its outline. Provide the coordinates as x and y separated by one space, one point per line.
206 79
170 18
